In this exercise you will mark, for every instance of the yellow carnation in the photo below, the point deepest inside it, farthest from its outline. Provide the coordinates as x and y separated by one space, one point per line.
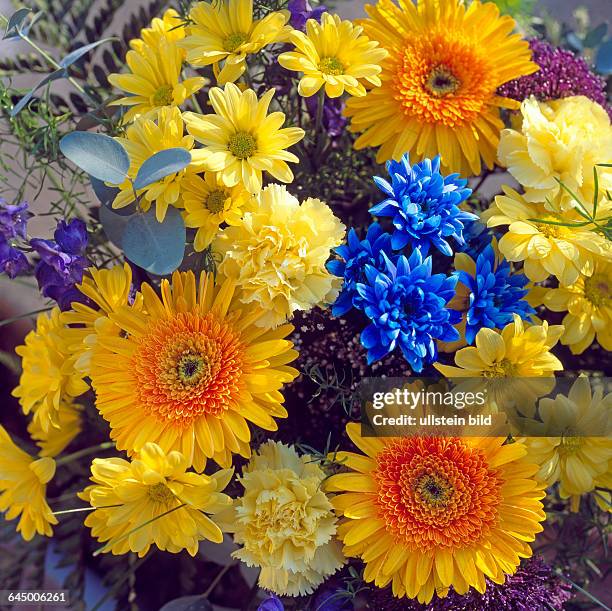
285 522
277 254
559 140
23 484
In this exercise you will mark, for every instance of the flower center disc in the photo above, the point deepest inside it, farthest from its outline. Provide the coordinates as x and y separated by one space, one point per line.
215 202
161 493
233 41
331 65
597 290
441 81
242 145
163 96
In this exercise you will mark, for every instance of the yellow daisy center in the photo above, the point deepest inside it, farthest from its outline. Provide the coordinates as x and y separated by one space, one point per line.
549 230
441 81
163 96
501 369
160 493
331 65
597 290
215 202
570 444
233 41
242 145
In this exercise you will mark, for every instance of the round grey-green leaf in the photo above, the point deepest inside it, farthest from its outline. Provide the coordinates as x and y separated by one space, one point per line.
99 155
154 246
160 165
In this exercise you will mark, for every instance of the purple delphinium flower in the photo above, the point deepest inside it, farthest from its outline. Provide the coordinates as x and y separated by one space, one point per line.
12 261
301 11
13 220
423 205
355 255
561 74
534 587
272 603
333 120
406 305
62 262
495 294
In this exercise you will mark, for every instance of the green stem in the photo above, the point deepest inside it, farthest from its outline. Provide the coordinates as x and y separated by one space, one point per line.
79 509
583 591
319 117
107 445
8 321
217 579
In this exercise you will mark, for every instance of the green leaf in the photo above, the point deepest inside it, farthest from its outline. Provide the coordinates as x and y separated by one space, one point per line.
160 165
156 247
595 191
75 55
14 23
99 155
57 74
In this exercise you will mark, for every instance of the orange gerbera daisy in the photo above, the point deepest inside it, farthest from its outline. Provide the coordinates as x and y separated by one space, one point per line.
188 371
439 82
427 513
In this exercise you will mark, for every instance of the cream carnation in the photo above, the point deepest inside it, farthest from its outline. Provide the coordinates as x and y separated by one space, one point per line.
559 140
285 522
277 254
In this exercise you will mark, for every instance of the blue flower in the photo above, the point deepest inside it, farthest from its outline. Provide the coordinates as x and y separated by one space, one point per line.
423 205
62 262
477 237
12 261
407 307
300 11
272 603
13 219
495 294
356 254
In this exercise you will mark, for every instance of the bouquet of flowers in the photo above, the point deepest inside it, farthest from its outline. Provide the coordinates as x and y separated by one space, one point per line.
256 207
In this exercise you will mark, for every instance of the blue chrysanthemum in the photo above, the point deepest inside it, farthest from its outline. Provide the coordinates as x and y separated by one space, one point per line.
356 254
407 308
495 294
423 205
477 236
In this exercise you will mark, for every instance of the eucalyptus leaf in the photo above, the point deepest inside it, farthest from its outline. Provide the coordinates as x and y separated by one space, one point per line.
114 225
99 155
25 30
188 603
575 42
28 96
75 55
156 247
15 21
106 195
603 60
160 165
595 36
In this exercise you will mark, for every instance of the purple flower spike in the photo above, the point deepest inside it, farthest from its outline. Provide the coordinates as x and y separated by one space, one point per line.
301 12
13 219
12 261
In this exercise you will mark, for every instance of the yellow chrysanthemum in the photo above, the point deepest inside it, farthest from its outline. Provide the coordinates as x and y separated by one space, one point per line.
559 140
546 247
144 138
167 29
242 140
209 204
109 290
154 80
576 458
588 303
188 371
439 82
132 498
49 374
427 513
55 440
285 522
276 254
334 54
23 484
226 31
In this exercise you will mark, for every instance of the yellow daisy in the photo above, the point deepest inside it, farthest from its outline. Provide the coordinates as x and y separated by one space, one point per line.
439 82
49 376
23 484
168 29
576 459
277 253
132 499
535 237
428 513
335 55
188 371
241 140
588 303
55 440
226 31
154 80
209 204
144 138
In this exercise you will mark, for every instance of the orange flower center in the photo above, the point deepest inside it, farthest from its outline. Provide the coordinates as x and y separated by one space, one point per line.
444 80
188 366
436 492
